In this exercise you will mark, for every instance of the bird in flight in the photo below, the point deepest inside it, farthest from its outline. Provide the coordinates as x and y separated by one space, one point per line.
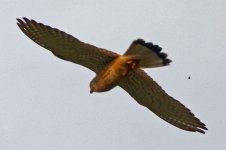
114 70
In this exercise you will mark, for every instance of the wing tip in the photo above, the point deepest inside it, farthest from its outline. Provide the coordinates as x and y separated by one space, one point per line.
22 21
19 21
201 131
201 128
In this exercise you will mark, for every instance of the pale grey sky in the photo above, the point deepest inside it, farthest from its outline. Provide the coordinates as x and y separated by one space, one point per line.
45 102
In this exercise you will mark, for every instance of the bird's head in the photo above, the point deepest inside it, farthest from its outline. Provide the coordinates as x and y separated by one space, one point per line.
93 86
97 85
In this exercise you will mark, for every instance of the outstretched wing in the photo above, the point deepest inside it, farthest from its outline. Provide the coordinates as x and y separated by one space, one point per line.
149 94
66 46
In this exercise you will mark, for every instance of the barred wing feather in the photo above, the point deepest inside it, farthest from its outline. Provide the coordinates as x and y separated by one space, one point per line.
66 46
149 94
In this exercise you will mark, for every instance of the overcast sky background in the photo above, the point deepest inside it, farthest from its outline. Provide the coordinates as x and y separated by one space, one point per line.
45 102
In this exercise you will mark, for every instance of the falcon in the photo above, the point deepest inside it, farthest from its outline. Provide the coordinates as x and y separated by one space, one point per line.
114 70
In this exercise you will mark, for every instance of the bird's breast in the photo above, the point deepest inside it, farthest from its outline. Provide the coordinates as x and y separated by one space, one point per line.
114 72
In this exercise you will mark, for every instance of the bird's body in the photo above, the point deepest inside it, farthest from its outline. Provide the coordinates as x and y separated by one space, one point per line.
118 70
112 74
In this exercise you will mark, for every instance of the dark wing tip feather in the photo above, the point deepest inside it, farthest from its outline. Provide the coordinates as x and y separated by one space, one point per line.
19 21
33 21
201 131
201 128
26 20
155 48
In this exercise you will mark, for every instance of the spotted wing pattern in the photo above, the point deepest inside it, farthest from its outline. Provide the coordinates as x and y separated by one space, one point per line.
149 94
66 46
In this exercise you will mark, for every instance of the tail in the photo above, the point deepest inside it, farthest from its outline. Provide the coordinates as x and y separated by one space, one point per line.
147 54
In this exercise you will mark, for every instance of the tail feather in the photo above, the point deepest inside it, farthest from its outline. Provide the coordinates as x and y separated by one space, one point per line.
148 54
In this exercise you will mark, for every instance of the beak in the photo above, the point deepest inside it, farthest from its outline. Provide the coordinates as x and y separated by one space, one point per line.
91 91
